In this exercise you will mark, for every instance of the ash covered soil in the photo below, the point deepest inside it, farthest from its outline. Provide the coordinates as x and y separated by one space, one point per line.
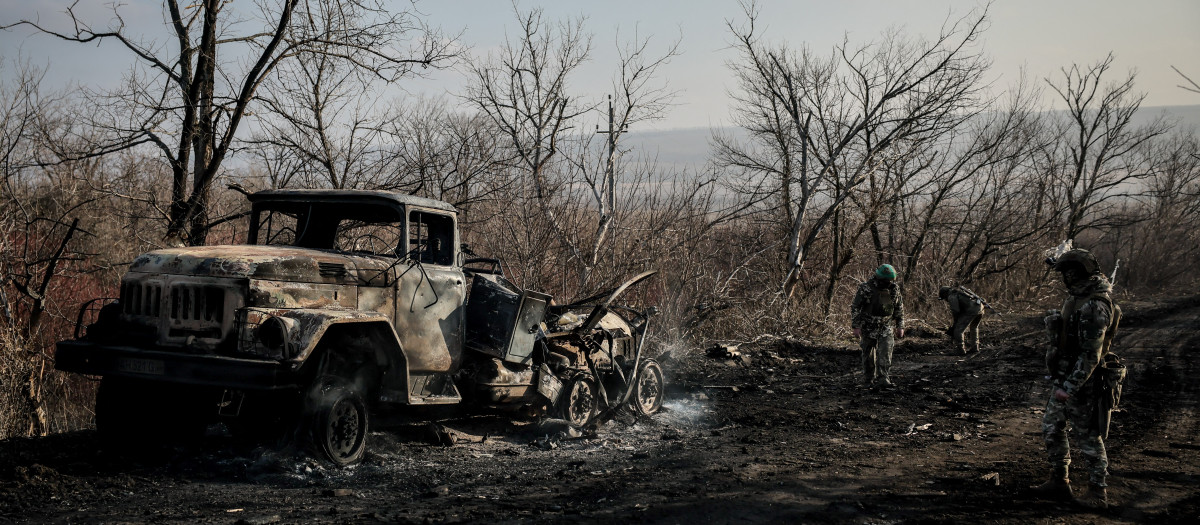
782 434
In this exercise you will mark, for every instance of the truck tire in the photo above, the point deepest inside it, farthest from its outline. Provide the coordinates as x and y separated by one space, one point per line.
339 421
577 402
649 388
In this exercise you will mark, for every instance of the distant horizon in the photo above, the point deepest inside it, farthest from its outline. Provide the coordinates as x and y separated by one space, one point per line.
682 147
1195 120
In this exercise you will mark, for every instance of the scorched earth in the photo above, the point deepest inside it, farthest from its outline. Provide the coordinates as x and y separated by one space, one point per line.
777 432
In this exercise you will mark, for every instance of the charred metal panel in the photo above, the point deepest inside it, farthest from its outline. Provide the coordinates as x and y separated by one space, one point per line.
613 323
311 325
374 271
530 313
497 383
377 299
548 385
280 263
432 389
429 315
502 321
350 197
278 294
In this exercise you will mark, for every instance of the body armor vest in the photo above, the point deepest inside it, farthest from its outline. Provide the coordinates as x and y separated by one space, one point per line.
883 302
1072 327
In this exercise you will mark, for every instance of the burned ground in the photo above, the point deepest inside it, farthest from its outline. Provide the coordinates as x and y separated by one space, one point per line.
782 433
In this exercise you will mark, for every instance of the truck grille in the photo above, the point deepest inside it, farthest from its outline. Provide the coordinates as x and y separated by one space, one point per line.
190 303
142 299
172 311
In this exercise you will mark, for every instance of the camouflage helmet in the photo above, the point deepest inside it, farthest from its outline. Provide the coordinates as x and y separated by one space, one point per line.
1083 258
886 271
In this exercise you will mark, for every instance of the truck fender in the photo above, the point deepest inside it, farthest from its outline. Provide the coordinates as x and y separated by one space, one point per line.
328 341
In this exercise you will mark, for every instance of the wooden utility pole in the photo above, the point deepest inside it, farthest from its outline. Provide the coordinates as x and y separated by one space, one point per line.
610 178
605 193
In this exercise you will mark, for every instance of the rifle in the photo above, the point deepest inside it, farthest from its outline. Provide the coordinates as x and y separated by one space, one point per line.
979 299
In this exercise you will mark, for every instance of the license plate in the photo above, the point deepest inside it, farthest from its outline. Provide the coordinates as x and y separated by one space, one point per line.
140 366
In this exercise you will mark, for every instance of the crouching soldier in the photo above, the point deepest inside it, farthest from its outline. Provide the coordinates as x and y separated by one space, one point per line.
876 314
967 309
1082 396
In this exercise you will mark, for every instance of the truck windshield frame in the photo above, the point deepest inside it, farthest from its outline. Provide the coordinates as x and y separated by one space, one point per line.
351 227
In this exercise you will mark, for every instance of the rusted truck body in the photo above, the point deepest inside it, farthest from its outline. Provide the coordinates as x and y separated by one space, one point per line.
343 300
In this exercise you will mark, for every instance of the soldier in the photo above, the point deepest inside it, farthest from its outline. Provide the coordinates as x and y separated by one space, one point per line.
1080 335
877 313
967 309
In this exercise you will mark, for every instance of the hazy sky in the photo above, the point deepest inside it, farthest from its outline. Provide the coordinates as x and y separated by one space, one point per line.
1038 35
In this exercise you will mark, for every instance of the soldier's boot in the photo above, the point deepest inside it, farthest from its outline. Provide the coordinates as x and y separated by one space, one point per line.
1058 487
869 376
958 348
1096 497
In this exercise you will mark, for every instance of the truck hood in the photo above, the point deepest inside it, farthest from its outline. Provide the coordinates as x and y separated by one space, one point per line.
282 263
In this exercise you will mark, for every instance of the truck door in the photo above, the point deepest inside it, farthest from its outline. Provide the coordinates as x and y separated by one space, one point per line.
429 298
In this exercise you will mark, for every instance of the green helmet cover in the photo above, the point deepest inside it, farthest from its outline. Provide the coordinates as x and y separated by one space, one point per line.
885 272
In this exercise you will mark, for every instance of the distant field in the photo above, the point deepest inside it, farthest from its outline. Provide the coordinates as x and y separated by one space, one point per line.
688 147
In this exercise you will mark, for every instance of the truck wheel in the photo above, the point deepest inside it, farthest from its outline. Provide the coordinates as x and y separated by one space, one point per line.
577 404
339 420
648 388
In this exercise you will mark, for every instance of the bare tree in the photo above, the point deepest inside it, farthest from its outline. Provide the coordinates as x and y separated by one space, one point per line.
36 227
42 268
438 153
30 118
832 122
321 109
1166 246
992 156
640 97
1191 84
1096 163
189 99
524 91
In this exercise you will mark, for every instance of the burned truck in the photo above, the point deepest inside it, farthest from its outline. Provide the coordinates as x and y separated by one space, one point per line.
342 302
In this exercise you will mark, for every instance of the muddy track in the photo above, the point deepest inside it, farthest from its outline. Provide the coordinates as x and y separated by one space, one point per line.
784 435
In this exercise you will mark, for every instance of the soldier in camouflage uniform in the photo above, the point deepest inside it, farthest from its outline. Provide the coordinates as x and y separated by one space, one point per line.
1080 336
876 314
967 309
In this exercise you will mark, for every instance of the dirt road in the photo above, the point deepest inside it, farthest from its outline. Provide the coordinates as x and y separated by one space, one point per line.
783 435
